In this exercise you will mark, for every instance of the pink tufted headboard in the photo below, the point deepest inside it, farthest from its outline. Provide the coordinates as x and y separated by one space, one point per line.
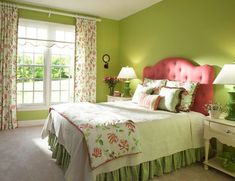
183 70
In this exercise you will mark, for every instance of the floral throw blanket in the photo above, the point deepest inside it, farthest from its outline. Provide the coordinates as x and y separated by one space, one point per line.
108 135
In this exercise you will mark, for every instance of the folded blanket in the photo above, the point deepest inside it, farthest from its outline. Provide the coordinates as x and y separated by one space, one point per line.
107 134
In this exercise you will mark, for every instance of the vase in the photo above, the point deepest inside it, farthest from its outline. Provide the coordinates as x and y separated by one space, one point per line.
214 114
111 91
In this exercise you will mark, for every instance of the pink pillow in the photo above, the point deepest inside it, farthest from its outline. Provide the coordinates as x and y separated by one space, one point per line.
149 101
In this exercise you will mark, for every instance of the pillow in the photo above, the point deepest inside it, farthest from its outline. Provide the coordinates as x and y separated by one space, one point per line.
171 98
188 95
154 83
149 101
139 90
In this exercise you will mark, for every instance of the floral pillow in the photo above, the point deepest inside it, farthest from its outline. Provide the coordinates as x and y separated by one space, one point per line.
154 83
139 91
170 99
188 95
149 101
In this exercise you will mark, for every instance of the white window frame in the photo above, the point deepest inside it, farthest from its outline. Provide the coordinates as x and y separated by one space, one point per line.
47 70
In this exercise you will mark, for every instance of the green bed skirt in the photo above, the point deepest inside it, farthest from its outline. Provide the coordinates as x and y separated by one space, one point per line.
141 172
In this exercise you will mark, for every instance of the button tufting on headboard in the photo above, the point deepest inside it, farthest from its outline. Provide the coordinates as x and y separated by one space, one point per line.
183 70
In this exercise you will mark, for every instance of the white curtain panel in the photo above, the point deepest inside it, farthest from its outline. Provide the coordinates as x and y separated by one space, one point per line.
8 59
85 61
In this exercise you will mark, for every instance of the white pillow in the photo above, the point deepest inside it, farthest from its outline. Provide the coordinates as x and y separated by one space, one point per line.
154 83
138 92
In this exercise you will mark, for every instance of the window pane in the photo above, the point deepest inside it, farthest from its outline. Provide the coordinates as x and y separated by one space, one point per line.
55 73
38 97
65 84
28 58
20 72
58 60
60 35
38 85
19 97
28 97
55 85
31 32
64 73
21 31
42 33
64 96
39 59
19 85
69 36
27 72
55 96
28 85
20 58
39 72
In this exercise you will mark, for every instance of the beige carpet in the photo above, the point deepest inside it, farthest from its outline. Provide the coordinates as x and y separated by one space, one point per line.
25 157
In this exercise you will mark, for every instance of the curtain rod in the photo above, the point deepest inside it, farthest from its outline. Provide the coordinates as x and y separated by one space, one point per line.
55 12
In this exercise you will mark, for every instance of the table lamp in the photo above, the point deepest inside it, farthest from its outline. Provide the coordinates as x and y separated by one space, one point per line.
127 73
227 77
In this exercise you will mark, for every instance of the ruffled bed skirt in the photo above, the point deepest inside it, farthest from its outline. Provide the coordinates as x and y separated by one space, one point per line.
141 172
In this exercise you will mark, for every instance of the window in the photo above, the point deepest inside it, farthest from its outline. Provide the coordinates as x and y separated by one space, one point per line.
44 63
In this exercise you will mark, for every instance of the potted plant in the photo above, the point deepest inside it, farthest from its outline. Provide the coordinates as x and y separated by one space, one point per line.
111 82
215 109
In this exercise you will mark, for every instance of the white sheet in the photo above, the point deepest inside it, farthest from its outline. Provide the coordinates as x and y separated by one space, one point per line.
162 133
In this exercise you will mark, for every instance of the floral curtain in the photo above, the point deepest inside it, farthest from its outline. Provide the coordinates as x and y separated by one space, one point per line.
8 57
85 61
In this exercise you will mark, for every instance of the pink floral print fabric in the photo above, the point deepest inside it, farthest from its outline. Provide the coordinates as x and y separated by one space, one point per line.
108 135
85 61
8 59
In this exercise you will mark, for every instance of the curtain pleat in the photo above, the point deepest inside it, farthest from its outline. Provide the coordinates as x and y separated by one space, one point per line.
8 65
85 61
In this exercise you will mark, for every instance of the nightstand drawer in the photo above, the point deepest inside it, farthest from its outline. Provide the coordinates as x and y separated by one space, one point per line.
114 99
223 129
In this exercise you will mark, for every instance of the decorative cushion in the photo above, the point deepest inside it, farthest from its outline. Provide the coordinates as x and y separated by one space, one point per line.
154 83
188 95
171 98
139 90
149 101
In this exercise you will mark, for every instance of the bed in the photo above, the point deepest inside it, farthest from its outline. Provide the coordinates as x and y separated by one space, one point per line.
168 140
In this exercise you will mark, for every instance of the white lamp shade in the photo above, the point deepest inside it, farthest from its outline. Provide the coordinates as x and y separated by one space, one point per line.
226 75
127 73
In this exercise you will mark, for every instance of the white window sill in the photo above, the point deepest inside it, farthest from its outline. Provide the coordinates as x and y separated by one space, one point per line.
32 108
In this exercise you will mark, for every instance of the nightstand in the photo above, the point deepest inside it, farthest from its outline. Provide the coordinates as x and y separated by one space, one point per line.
114 98
224 132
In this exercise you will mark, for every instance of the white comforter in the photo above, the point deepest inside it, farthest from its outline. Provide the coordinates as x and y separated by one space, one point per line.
161 133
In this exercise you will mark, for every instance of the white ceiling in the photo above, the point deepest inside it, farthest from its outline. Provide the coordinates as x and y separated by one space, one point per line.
112 9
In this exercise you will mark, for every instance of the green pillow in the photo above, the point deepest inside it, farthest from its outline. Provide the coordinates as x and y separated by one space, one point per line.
171 98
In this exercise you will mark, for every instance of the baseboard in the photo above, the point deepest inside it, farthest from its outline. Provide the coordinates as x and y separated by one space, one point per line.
28 123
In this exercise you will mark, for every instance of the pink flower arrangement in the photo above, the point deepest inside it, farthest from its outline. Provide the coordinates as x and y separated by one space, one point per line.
111 82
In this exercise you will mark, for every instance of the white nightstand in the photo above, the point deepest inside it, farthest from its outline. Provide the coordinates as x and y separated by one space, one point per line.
114 98
224 132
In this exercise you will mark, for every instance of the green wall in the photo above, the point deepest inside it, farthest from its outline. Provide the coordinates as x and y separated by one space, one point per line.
200 30
107 42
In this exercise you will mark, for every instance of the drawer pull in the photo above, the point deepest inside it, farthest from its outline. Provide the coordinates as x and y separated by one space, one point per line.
228 131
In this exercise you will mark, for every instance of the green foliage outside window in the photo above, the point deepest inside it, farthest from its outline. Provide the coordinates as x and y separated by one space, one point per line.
37 72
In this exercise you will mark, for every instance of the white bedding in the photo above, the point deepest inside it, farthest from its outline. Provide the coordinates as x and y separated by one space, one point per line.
162 133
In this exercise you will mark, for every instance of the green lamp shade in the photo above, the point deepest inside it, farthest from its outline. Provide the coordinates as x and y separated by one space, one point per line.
227 77
127 73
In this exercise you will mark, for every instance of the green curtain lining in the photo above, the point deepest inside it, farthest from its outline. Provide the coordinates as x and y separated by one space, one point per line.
141 172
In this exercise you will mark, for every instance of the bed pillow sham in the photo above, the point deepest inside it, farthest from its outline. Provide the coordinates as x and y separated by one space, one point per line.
139 90
188 94
149 101
154 83
170 99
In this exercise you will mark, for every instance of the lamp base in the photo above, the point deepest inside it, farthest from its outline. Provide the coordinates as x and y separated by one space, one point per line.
231 106
127 89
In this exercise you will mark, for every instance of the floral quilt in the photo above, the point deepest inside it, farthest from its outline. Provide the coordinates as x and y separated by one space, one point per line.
108 135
